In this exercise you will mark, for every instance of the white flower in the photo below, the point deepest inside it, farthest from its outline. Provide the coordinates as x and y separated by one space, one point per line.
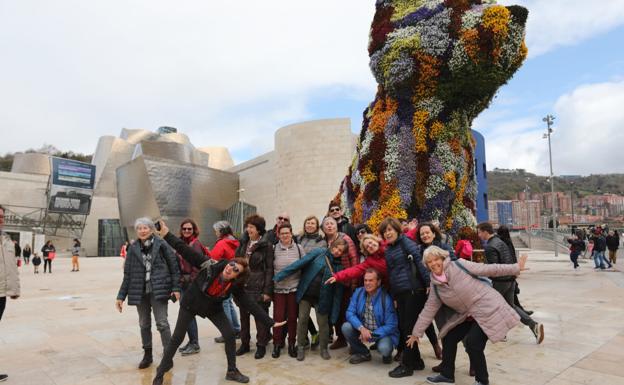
391 157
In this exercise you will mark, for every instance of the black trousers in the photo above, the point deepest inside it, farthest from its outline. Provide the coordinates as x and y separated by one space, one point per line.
263 332
184 317
409 306
47 263
475 340
2 305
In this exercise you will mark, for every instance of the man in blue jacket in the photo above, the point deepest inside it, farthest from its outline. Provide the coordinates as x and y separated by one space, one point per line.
371 318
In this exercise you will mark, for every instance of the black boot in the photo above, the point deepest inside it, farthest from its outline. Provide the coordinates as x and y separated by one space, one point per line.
244 348
292 351
147 359
276 351
260 352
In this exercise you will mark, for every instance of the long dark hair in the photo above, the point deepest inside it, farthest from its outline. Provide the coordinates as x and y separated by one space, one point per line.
503 234
437 235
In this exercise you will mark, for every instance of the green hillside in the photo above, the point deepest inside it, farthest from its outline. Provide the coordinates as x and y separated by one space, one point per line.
506 184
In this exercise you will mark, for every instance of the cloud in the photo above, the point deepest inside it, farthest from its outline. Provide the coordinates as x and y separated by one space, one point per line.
587 138
557 23
74 70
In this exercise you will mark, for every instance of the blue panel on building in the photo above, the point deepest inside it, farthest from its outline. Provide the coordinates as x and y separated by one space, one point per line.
481 175
505 213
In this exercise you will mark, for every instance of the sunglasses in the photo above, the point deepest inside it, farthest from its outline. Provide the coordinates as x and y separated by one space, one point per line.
283 219
334 209
234 267
187 229
362 232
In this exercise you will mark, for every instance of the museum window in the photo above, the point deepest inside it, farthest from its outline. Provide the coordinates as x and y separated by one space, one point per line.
110 237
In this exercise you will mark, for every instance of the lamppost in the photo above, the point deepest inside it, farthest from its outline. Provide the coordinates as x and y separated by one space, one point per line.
549 119
242 209
528 211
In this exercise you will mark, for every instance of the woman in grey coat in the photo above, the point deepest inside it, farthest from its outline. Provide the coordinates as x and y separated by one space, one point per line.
151 278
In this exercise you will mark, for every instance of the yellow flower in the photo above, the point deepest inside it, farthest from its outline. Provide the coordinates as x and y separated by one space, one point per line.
449 178
390 207
420 130
368 175
436 129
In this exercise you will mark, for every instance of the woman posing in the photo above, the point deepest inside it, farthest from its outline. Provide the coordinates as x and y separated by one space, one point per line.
151 277
215 282
481 312
409 280
316 267
258 251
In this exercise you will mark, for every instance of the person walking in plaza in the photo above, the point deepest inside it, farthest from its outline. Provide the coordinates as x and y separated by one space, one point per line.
613 243
576 248
36 261
18 253
151 277
215 282
480 313
75 255
9 276
224 249
600 246
409 281
258 251
371 318
316 267
26 253
497 252
347 260
285 305
189 234
49 253
310 239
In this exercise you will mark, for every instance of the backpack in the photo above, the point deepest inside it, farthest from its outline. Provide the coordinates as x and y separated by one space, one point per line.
466 250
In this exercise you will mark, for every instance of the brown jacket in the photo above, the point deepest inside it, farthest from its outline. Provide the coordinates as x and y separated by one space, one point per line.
9 279
470 297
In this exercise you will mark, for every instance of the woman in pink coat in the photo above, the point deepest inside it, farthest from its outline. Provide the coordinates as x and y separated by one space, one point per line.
480 312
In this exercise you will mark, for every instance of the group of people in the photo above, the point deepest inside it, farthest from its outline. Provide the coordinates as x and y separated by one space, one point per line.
370 290
599 241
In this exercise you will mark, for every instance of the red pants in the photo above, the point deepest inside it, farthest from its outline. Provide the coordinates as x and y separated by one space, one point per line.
285 308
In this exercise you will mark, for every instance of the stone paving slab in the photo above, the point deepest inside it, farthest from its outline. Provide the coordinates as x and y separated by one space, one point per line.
65 331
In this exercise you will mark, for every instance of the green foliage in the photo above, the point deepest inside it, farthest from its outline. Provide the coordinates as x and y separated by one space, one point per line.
6 161
504 185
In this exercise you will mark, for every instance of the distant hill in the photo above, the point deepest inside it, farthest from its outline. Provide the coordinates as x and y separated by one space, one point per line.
6 161
506 184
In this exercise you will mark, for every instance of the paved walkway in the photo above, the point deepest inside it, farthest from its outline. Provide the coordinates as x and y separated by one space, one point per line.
65 331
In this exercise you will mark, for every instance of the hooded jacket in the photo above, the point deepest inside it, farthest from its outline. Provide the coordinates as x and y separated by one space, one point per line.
399 268
472 297
383 310
224 248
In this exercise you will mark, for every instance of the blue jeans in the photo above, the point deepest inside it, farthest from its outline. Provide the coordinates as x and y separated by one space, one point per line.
384 345
230 313
599 260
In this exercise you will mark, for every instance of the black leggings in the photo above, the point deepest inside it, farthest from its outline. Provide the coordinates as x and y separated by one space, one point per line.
2 305
409 306
184 317
475 340
47 263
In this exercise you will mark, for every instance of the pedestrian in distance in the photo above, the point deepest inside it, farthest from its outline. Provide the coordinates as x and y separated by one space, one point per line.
36 261
26 253
49 253
75 255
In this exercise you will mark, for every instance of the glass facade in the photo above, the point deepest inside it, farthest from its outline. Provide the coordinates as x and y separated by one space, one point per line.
110 237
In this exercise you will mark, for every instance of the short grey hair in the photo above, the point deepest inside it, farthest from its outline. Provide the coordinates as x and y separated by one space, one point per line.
434 252
222 227
326 219
146 222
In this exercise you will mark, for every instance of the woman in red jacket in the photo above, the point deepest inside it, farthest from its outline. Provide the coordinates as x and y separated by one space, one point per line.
372 248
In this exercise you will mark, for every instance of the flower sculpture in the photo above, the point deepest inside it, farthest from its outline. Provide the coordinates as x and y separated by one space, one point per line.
438 64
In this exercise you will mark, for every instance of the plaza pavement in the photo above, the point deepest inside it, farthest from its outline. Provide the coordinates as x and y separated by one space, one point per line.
64 330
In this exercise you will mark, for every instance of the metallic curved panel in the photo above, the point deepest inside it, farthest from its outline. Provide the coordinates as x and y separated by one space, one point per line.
173 190
31 163
136 135
165 150
220 157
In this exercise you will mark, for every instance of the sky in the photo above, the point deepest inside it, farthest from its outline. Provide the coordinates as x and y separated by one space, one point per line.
230 73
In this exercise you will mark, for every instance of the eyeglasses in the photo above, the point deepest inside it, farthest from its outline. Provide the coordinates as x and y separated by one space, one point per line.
283 219
187 229
362 232
334 209
234 267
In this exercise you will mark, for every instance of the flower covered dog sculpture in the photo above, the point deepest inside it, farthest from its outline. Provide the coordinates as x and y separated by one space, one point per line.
438 64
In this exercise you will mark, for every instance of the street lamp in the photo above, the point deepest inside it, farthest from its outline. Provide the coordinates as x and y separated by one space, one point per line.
242 208
528 211
549 120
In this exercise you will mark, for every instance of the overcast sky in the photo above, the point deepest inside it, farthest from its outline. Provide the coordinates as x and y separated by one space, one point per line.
232 72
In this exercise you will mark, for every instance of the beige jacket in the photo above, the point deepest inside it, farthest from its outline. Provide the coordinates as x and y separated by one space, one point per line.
9 278
470 297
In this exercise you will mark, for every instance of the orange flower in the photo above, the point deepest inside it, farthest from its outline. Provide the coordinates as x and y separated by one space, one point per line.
382 111
470 38
420 130
436 129
428 73
389 207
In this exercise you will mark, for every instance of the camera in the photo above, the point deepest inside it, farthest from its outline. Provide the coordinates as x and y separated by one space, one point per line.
157 225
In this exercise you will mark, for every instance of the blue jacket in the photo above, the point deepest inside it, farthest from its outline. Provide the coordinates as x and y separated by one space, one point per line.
386 317
310 265
399 269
